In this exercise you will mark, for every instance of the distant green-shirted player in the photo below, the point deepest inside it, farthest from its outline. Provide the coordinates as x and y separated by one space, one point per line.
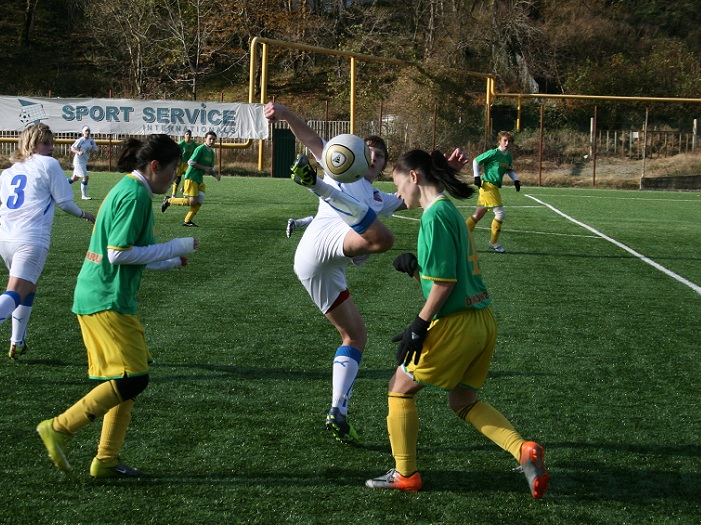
201 162
123 243
187 148
497 162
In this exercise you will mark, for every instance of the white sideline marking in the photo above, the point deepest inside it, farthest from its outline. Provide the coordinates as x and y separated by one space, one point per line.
640 256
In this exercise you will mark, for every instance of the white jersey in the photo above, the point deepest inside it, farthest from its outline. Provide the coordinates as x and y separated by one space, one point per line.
29 191
320 263
85 146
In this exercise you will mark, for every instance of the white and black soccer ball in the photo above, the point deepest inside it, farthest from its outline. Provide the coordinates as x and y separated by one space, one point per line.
346 158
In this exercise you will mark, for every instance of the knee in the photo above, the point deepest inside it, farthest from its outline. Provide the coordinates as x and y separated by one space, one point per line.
130 387
382 242
499 213
461 401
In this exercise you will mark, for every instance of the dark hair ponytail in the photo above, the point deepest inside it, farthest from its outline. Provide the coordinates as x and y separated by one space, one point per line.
435 169
136 154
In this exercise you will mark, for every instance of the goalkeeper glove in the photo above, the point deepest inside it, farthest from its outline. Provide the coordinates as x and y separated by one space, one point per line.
478 181
411 341
407 263
517 183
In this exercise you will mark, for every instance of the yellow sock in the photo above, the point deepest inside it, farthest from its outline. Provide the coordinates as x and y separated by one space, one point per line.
492 423
471 223
193 211
114 430
403 428
496 230
94 405
179 201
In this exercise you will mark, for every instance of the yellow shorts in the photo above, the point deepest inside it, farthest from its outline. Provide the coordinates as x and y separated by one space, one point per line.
192 188
489 196
182 168
457 351
116 345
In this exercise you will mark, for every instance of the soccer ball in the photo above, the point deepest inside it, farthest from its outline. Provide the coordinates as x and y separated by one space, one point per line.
346 158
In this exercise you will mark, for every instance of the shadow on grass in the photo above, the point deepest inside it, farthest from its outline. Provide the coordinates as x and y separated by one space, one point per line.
248 373
640 487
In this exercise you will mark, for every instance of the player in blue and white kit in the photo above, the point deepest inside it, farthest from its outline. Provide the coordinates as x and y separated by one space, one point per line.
29 190
82 148
330 243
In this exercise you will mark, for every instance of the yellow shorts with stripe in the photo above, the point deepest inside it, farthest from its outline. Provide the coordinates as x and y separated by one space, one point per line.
457 351
489 196
192 188
116 345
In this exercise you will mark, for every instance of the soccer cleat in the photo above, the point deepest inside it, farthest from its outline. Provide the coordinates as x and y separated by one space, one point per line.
533 467
190 224
113 469
290 227
165 204
86 198
17 350
55 443
302 171
337 424
497 247
394 480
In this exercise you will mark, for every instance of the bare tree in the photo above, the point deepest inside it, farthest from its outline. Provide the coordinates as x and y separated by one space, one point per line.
28 19
127 33
199 30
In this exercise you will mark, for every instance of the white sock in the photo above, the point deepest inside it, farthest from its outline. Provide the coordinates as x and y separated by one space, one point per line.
304 221
20 319
345 369
8 302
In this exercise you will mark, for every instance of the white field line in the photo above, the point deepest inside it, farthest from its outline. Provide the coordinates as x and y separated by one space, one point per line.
640 256
417 219
572 195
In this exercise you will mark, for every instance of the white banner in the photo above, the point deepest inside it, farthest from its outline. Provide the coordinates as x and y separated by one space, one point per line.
135 117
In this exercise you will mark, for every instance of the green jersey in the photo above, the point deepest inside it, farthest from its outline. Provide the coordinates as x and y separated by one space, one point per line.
187 149
204 156
496 165
446 253
125 220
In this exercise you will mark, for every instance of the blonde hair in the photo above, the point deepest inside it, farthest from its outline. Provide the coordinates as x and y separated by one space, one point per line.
507 134
28 140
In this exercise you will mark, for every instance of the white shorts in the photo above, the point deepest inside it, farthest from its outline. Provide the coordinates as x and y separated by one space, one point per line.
24 261
80 169
320 264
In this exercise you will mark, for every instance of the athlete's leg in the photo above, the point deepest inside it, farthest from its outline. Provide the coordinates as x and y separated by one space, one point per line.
350 325
403 421
472 221
377 238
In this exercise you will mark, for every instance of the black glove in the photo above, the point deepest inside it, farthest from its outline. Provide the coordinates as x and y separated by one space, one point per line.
407 263
478 182
411 341
517 183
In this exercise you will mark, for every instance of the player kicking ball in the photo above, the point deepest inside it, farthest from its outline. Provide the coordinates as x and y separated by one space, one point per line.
344 231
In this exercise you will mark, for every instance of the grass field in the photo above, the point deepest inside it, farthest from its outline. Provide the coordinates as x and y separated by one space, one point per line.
598 303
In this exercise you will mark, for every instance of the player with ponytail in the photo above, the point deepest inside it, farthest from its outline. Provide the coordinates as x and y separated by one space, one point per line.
449 344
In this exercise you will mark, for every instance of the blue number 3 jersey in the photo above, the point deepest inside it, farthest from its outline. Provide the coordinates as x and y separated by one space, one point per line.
29 191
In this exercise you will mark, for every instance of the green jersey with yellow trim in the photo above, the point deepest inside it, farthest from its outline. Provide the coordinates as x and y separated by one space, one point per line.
187 149
125 220
204 156
446 253
496 164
